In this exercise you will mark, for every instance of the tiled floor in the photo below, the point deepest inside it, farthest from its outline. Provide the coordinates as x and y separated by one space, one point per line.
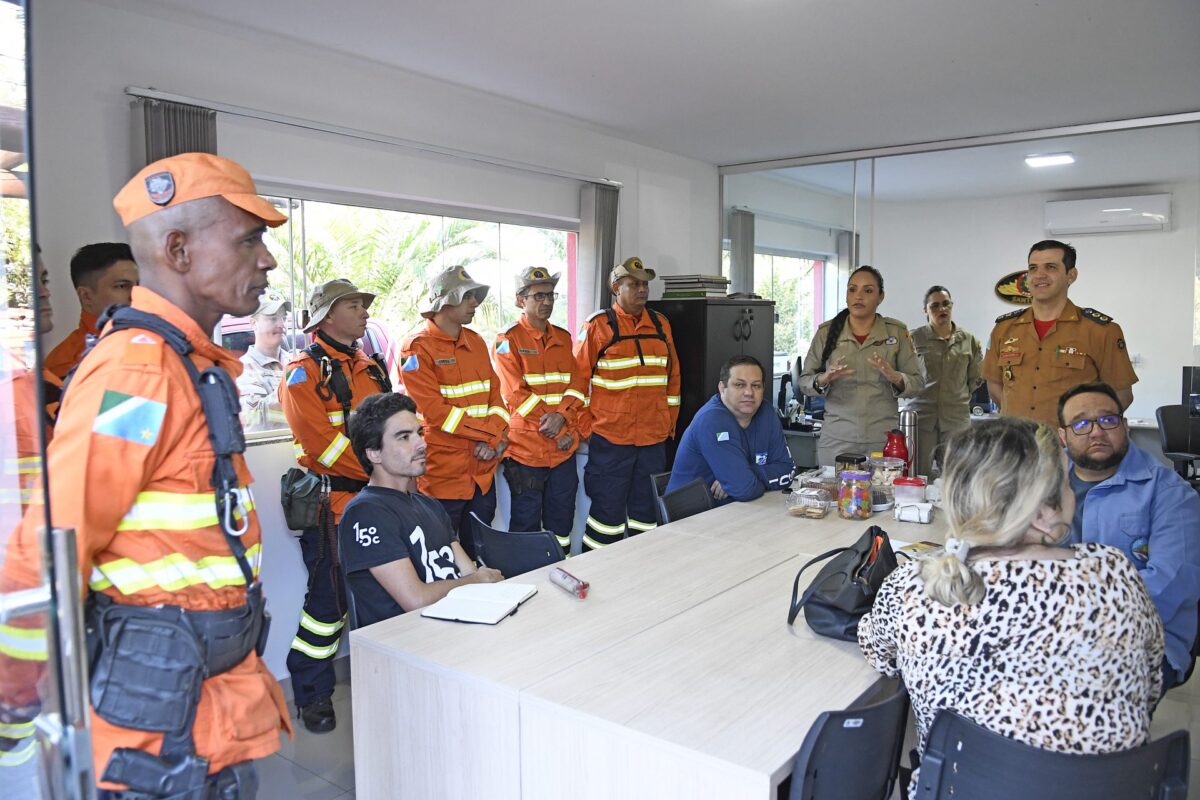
321 767
313 766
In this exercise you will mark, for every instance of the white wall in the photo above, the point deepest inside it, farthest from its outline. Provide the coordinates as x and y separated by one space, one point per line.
1144 280
85 53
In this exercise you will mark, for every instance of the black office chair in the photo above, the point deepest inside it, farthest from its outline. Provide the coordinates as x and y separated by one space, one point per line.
963 759
1173 434
660 481
689 499
514 552
854 753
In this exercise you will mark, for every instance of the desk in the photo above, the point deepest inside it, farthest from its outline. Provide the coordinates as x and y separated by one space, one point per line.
677 677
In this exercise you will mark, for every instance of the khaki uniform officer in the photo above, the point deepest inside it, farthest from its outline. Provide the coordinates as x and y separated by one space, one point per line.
1038 353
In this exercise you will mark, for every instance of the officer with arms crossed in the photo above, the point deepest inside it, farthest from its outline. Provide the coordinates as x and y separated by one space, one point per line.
104 274
258 385
399 550
1126 499
448 372
322 385
735 443
1038 353
536 368
628 354
169 543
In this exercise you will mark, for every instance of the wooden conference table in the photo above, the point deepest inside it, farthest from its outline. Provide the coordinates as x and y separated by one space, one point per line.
677 677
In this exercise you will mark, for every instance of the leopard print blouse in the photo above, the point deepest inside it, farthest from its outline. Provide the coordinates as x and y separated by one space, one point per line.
1063 655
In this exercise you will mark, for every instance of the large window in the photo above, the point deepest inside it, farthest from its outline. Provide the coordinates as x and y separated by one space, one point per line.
394 254
796 284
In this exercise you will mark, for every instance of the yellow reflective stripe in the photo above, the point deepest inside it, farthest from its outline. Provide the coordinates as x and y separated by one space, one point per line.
577 395
336 418
321 628
626 363
552 399
15 758
26 465
177 511
672 399
611 530
172 572
563 541
630 382
17 730
23 644
314 652
642 526
542 378
592 544
464 389
499 412
453 418
297 450
334 451
529 405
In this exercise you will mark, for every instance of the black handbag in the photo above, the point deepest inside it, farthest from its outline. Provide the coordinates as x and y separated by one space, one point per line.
302 494
845 588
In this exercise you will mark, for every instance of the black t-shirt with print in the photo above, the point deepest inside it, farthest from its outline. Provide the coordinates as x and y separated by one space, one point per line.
380 526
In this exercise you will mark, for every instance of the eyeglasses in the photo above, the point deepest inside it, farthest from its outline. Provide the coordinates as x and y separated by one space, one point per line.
1084 426
541 297
949 304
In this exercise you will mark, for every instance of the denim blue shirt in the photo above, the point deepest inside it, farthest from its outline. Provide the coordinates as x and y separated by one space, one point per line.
747 461
1153 516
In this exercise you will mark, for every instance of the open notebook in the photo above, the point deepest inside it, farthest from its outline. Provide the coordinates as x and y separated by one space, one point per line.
486 603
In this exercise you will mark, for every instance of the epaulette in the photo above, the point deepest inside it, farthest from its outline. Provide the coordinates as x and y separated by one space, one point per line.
1095 316
894 321
1010 315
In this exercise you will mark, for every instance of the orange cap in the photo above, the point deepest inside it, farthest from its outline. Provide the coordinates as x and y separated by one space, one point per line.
191 176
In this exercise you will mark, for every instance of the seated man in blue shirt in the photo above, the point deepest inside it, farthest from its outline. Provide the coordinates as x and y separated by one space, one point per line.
398 548
1126 499
735 443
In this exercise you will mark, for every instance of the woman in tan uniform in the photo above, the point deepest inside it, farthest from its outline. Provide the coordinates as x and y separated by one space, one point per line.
953 364
860 362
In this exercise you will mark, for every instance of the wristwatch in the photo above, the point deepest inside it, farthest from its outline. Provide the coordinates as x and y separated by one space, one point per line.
818 388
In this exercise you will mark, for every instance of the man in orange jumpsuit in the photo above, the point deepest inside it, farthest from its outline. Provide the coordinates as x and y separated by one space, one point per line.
165 521
103 273
321 386
447 371
536 368
629 355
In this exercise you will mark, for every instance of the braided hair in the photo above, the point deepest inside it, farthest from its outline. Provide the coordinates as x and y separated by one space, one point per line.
838 323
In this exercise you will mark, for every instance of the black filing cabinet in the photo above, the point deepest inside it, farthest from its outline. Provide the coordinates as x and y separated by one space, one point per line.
708 332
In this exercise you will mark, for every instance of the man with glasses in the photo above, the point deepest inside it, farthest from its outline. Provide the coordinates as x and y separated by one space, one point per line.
1126 499
536 367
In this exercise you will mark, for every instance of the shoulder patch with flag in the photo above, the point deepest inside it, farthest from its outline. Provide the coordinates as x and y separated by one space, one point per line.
502 347
129 417
723 436
296 375
410 364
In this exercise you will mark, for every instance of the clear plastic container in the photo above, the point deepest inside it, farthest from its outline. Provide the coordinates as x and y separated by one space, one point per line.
807 503
910 490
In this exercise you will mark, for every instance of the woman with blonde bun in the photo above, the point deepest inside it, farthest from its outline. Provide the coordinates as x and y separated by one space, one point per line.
1057 647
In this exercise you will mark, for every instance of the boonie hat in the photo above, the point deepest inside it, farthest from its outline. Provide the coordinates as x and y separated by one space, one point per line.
532 276
324 296
191 176
272 304
448 288
631 267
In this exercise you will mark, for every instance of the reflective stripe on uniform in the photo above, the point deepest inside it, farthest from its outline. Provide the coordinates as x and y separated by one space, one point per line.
297 450
529 404
15 758
638 525
563 541
178 511
464 389
620 384
321 628
16 730
172 572
454 417
542 378
577 395
25 465
591 544
633 361
600 527
314 652
672 399
502 413
23 644
336 418
334 451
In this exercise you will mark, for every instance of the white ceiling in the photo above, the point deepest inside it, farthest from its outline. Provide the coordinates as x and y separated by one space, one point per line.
1111 161
729 81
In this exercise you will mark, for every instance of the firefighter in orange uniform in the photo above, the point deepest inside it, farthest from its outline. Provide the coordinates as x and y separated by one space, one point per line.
536 367
628 354
150 474
321 386
104 273
447 371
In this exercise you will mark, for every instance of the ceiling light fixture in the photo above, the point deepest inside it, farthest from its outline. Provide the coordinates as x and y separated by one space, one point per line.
1050 160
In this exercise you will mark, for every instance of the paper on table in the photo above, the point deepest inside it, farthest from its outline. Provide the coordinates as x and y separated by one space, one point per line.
485 603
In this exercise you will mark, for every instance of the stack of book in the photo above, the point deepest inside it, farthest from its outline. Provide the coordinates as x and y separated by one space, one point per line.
685 286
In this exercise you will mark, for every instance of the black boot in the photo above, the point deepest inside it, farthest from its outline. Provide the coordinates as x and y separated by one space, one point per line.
318 716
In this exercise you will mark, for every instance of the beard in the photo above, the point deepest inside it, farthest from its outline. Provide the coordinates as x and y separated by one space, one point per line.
1101 464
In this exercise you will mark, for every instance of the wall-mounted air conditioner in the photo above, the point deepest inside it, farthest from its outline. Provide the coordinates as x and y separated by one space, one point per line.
1146 212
